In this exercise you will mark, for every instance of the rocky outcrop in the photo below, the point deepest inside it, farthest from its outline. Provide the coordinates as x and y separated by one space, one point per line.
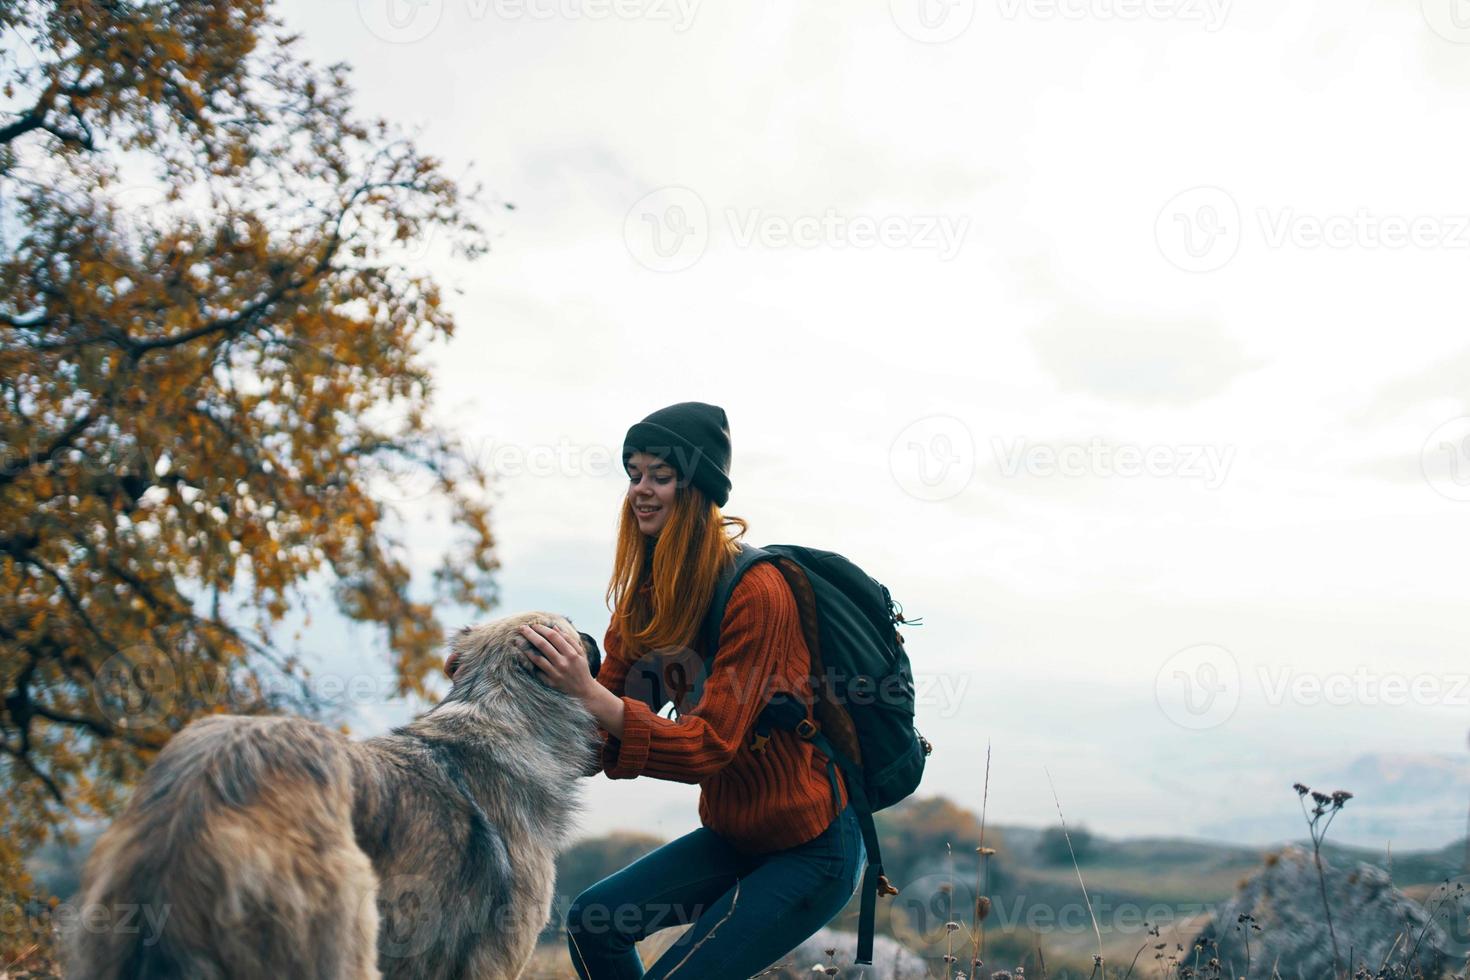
1275 923
890 960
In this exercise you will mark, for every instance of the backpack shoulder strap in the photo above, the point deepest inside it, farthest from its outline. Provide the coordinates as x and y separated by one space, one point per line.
709 631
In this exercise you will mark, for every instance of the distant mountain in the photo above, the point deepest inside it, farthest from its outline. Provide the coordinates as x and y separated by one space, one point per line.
1411 801
1402 778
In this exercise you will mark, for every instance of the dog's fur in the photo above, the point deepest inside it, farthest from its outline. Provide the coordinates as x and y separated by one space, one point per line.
273 848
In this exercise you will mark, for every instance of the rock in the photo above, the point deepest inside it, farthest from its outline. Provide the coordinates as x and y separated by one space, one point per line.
891 961
1290 931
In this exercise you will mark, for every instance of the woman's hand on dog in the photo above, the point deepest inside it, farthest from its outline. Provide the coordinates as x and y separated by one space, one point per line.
564 665
561 660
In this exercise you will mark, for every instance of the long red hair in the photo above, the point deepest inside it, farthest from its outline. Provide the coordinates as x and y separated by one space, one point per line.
683 564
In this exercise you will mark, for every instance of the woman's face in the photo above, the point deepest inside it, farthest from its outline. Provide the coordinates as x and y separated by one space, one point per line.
651 484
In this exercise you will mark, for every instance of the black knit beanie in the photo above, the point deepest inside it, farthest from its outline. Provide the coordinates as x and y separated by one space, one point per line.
693 438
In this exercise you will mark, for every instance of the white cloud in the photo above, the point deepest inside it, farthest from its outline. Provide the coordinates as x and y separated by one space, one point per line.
1057 321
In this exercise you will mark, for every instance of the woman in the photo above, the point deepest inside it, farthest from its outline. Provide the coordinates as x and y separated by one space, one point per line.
779 852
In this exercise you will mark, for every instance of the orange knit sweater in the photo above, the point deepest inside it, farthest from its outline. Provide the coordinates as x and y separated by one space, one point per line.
762 801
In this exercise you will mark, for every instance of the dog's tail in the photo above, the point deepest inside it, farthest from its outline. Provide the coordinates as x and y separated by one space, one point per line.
234 860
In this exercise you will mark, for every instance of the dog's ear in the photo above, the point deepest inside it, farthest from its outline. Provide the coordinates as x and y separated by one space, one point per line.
594 654
456 650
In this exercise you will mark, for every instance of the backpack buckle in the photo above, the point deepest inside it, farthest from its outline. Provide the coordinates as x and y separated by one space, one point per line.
806 728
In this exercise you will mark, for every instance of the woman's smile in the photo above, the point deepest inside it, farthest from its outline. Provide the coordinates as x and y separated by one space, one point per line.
651 490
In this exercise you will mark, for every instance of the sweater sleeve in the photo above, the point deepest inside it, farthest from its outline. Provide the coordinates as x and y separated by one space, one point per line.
760 629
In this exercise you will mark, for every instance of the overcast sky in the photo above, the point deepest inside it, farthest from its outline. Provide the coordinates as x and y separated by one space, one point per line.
1124 340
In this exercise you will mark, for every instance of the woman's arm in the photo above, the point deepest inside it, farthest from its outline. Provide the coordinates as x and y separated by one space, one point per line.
760 633
605 700
606 703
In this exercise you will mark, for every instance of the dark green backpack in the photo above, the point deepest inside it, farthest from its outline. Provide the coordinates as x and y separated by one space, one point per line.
864 688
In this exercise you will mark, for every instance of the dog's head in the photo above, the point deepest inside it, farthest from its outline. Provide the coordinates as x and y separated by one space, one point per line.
494 655
497 686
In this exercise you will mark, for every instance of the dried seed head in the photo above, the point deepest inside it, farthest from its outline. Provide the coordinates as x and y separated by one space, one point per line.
982 908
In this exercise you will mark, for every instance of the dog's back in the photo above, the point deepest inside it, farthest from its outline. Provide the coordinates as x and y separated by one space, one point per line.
234 860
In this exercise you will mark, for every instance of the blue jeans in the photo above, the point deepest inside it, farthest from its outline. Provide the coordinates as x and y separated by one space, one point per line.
748 910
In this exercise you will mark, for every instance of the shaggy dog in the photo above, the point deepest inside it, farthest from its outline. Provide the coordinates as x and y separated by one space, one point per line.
277 849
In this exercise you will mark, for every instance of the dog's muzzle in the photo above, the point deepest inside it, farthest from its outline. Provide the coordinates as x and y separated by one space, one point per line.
594 654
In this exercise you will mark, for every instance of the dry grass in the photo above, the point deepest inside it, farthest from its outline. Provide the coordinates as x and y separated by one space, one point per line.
33 963
1167 952
551 961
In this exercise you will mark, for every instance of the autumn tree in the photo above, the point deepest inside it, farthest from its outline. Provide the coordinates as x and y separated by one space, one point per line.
212 354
